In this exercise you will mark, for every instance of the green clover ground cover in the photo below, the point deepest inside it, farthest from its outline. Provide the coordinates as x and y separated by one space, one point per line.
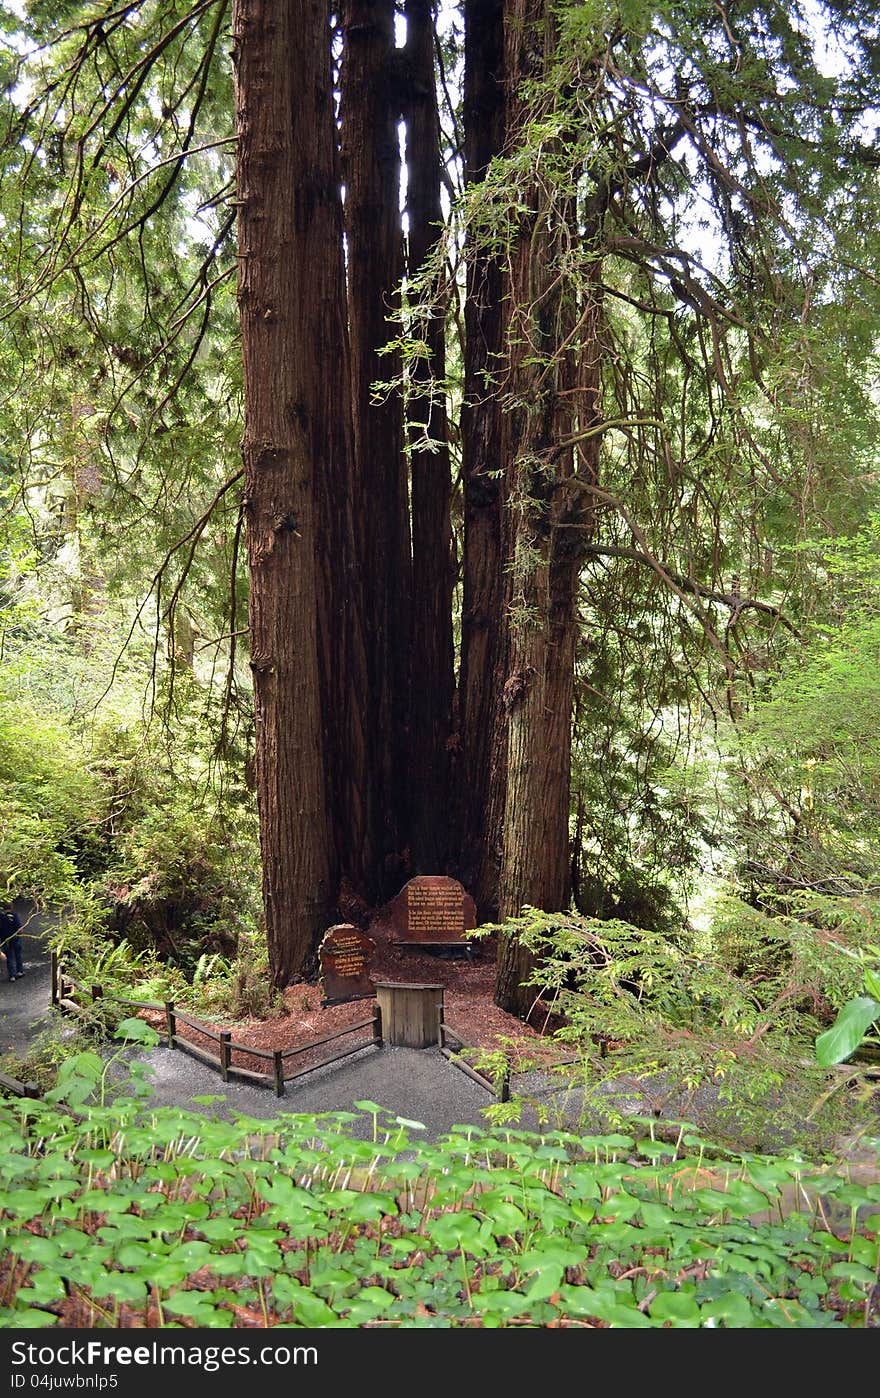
128 1217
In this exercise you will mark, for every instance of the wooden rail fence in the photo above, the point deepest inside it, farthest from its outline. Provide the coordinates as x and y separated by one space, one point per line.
65 991
16 1088
68 995
451 1047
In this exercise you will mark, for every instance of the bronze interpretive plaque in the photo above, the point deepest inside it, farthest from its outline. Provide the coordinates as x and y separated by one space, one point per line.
344 957
433 908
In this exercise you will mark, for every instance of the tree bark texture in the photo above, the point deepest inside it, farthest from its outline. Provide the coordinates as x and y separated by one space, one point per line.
369 110
282 188
552 393
431 654
482 758
343 648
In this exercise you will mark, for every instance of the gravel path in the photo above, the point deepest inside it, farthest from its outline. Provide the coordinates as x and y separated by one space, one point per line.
417 1084
24 1004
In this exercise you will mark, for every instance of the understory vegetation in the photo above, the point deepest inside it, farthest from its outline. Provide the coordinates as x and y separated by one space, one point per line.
644 1023
135 1217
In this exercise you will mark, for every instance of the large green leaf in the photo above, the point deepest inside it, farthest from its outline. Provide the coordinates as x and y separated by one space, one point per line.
847 1031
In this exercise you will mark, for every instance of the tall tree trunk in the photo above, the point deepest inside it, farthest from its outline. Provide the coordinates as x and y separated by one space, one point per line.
285 189
552 385
371 173
431 656
345 672
483 757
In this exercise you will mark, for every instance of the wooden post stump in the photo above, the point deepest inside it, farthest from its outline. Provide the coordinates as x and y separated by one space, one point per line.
410 1013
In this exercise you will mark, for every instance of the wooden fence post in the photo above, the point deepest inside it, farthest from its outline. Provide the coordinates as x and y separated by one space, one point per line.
377 1025
53 972
170 1022
278 1064
225 1036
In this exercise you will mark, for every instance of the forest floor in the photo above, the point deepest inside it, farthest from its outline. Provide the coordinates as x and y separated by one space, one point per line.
469 1011
468 982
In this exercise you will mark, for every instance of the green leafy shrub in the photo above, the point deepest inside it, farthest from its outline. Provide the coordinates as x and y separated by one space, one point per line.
666 1022
809 761
127 829
47 797
179 873
123 1216
240 988
131 833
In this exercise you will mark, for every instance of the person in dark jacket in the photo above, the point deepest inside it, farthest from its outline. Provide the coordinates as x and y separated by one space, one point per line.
10 940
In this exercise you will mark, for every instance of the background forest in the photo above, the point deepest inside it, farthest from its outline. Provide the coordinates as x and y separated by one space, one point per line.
552 557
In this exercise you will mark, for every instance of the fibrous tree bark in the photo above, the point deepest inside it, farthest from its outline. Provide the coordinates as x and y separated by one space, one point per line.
343 633
369 111
483 758
286 191
551 396
431 653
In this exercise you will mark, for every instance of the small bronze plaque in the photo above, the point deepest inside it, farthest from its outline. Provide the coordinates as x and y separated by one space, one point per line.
344 956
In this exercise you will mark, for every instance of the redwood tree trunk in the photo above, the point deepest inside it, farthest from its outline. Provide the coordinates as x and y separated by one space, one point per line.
481 778
369 111
345 674
555 390
431 658
284 190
